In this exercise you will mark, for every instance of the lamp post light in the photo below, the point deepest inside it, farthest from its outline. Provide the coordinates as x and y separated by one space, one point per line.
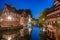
43 25
43 19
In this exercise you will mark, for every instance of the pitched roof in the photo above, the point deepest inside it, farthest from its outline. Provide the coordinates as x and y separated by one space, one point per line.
27 12
10 8
55 7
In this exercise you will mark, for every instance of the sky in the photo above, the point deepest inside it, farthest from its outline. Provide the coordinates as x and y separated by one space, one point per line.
36 6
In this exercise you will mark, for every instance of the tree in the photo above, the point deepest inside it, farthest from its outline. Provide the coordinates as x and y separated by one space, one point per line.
33 20
58 32
42 16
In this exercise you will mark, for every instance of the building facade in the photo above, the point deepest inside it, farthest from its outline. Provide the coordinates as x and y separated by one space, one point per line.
9 16
53 16
25 17
12 17
11 21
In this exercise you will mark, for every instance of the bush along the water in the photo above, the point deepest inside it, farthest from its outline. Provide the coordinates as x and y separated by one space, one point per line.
58 33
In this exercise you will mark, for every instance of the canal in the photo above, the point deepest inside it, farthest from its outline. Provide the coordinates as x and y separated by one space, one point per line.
35 33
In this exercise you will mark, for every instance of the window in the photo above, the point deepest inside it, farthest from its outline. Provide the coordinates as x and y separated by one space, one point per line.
6 13
58 15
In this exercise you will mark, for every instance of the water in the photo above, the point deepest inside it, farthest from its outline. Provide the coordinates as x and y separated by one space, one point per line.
35 33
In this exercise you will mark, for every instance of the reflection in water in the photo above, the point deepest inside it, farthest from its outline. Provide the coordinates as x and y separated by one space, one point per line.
35 33
9 38
13 36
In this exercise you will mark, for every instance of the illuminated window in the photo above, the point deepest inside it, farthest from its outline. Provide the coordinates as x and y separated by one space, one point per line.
9 18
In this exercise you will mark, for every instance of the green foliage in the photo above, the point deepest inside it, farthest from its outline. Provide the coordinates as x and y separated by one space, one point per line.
40 19
58 26
33 20
43 16
58 33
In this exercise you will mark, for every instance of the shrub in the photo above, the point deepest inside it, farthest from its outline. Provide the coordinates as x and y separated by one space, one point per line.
58 33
